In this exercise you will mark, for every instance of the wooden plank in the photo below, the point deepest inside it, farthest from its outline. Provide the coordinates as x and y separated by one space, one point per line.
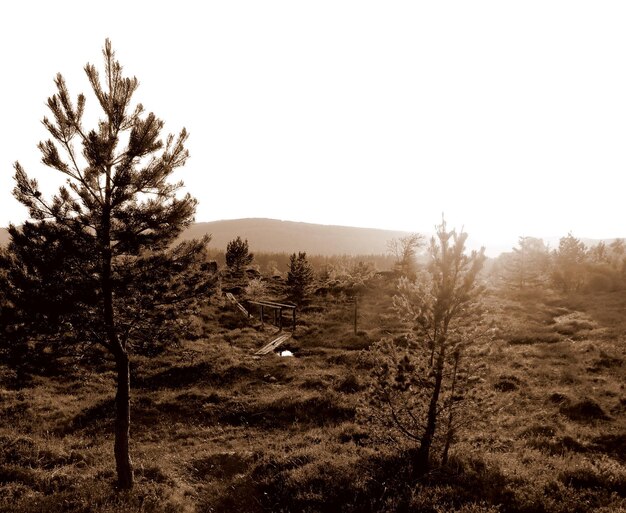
233 299
273 344
272 304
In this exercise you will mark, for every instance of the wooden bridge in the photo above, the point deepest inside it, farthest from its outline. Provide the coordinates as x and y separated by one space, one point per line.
277 312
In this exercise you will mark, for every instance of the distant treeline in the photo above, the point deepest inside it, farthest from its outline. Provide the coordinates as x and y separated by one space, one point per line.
268 263
571 267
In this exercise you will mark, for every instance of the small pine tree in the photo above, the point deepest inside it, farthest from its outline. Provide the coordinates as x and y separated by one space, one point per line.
569 263
96 265
238 255
299 277
418 384
528 264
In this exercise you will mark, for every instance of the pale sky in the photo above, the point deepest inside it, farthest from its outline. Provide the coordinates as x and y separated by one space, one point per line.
510 117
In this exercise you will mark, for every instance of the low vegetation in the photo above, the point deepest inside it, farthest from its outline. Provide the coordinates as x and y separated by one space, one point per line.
216 429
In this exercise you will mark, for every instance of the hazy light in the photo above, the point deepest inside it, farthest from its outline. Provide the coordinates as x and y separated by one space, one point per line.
508 117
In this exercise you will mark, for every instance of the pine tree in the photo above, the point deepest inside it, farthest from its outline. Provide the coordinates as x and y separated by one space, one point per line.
527 265
418 385
96 261
238 255
299 277
569 263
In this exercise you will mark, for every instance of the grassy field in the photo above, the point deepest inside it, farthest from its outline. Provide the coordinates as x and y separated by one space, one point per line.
215 429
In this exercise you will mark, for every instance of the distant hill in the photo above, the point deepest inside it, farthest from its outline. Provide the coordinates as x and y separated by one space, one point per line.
271 235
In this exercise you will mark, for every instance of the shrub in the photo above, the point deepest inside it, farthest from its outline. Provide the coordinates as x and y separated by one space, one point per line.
350 384
507 383
601 473
584 410
256 290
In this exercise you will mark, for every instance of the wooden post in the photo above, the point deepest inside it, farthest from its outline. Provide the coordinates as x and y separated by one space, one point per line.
261 316
280 319
356 312
294 320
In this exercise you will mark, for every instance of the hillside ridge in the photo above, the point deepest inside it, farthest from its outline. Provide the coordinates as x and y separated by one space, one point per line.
278 236
273 235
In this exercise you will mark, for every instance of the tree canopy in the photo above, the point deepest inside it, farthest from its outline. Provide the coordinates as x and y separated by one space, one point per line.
97 263
238 255
299 277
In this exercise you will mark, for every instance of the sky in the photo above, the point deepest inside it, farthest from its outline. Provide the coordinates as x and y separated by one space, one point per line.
509 117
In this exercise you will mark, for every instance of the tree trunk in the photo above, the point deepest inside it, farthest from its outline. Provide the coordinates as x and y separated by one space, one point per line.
123 463
423 454
450 430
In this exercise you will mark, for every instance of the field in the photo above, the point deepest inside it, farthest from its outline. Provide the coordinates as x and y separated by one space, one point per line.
216 429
